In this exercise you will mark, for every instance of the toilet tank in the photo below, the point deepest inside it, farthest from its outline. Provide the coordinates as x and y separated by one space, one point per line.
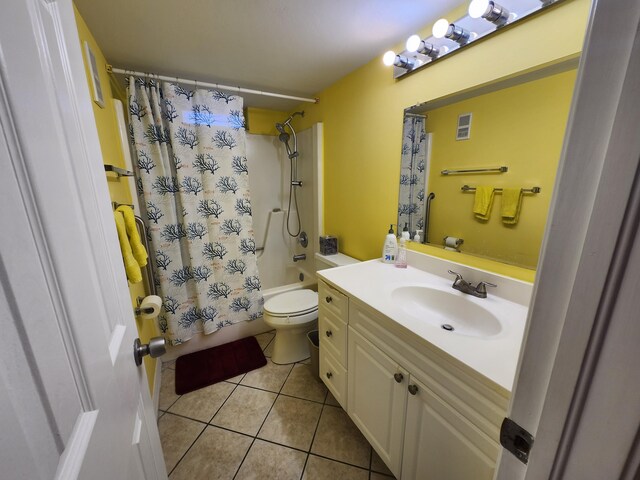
336 260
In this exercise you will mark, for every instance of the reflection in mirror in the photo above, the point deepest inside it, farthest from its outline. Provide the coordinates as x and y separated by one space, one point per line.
414 171
518 123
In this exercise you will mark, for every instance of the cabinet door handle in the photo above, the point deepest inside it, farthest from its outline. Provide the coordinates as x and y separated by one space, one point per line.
413 389
398 377
328 333
329 374
328 299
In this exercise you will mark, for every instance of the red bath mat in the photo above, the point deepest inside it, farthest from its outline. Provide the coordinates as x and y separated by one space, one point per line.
206 367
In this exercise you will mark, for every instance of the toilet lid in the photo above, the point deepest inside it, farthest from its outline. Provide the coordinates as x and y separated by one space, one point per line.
294 302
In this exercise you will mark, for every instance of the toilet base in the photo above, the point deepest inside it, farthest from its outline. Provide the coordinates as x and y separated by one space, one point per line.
291 345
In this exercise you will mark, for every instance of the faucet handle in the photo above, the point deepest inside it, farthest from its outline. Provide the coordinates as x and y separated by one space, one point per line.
458 276
481 287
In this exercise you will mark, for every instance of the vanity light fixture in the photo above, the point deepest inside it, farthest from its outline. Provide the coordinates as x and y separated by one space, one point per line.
443 29
490 11
415 44
391 58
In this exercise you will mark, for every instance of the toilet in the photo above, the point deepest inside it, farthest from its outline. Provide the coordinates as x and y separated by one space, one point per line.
292 315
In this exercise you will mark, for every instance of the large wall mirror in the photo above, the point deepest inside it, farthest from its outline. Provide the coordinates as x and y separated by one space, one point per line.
504 138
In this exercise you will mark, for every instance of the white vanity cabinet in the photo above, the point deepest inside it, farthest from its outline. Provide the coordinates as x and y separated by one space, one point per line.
426 414
333 315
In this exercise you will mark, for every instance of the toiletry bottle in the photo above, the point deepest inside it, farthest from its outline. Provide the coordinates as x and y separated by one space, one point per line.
418 236
390 248
405 232
401 259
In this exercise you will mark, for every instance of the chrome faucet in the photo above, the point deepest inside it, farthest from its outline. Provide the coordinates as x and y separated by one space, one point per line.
299 257
460 284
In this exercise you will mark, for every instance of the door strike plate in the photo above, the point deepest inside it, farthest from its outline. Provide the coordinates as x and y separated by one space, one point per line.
516 439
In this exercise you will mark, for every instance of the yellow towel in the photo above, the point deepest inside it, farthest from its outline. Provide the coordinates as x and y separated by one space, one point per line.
131 266
483 202
511 203
139 252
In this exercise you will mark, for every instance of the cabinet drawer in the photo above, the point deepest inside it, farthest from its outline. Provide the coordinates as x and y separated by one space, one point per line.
330 299
334 377
333 336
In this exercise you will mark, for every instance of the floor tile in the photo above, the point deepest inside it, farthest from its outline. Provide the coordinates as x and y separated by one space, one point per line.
338 438
269 350
270 377
323 469
377 465
264 339
291 422
245 410
176 435
266 461
169 364
379 476
167 389
302 383
331 400
236 379
204 403
215 456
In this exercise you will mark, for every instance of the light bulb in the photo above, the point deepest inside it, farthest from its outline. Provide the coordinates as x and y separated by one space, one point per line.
413 43
440 28
389 58
477 8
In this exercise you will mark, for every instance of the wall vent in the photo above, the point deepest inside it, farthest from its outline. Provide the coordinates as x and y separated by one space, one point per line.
463 132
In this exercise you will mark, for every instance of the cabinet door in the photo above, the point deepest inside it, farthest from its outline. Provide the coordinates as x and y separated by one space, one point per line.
377 393
442 444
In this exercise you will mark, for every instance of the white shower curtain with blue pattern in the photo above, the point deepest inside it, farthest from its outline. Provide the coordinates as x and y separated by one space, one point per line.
193 185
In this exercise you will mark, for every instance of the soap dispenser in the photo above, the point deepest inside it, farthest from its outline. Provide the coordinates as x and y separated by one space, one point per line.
401 258
405 232
390 248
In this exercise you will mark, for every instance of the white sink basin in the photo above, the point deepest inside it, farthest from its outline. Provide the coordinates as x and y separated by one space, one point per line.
452 311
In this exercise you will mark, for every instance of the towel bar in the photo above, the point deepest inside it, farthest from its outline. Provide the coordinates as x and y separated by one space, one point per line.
467 188
501 169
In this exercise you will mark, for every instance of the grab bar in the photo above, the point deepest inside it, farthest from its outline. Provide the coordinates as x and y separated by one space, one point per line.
148 269
501 169
427 214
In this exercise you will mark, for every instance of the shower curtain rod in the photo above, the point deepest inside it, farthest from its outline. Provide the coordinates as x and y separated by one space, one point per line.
165 78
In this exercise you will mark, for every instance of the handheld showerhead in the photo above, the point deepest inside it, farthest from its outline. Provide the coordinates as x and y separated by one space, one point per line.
280 128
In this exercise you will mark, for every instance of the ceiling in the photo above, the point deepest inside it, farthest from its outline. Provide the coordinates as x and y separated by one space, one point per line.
296 47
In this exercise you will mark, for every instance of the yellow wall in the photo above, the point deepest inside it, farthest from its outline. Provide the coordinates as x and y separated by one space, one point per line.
362 115
107 125
521 127
261 121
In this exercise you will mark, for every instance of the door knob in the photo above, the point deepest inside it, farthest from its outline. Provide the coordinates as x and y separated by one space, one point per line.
329 374
328 333
413 389
155 348
398 377
328 299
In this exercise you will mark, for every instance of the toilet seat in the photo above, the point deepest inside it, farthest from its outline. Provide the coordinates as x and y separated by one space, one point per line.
292 304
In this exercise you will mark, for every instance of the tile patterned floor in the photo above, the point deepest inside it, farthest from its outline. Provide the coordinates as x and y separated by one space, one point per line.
277 422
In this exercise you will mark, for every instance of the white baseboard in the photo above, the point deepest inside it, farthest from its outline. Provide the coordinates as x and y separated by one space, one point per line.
157 380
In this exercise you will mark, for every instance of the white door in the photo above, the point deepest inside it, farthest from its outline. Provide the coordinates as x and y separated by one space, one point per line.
72 402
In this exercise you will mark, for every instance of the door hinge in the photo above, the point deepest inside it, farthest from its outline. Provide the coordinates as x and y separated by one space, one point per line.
516 439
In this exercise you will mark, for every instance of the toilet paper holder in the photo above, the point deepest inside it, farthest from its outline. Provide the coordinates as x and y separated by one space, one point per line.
139 310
